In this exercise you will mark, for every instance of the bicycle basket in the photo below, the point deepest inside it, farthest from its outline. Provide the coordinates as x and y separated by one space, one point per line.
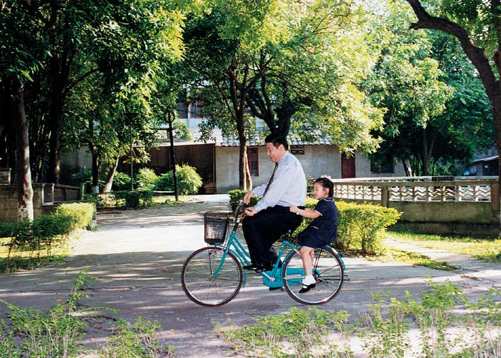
215 227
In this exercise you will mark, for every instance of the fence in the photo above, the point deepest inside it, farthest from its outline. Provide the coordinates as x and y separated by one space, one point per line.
428 200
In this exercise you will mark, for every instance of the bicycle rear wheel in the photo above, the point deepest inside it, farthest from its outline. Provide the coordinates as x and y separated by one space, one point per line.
327 270
211 276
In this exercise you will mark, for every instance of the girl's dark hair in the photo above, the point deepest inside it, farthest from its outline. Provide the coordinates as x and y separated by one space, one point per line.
326 183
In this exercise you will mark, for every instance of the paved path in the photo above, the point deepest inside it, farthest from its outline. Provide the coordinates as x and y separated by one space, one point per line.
136 259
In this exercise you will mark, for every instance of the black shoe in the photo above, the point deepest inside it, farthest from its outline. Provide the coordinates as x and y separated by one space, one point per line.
250 267
306 288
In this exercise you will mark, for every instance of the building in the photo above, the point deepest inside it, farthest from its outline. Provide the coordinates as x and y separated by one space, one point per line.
217 159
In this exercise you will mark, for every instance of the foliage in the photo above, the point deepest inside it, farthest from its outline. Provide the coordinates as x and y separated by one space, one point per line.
33 333
303 329
58 333
136 199
82 214
483 249
361 227
442 322
121 181
236 195
138 339
188 180
146 179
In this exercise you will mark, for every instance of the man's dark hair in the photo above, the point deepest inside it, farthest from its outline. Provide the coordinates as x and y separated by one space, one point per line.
276 140
327 184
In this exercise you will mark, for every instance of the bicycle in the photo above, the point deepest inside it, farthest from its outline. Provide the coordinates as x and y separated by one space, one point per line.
213 275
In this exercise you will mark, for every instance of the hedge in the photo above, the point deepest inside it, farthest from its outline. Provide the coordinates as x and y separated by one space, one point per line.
361 227
44 231
82 214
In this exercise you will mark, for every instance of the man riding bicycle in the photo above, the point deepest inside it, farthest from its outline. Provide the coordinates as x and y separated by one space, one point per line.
270 218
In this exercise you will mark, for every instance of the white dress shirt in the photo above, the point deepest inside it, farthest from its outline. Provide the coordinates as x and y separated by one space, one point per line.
288 187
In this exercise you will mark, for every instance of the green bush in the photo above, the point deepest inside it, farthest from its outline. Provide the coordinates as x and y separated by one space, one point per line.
121 181
136 199
146 179
81 213
361 227
236 195
188 180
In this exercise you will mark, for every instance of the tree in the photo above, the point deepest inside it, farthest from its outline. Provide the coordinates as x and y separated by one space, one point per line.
407 81
21 54
312 74
476 25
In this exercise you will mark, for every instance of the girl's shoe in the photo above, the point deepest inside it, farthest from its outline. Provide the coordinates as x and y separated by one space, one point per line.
306 288
309 282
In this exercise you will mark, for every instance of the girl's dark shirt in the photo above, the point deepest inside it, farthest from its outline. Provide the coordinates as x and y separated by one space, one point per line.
325 226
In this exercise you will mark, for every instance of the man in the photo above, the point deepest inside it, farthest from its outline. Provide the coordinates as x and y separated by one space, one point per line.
271 217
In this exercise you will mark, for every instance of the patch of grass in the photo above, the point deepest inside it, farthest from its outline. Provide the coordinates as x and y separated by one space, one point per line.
291 334
25 259
442 322
138 340
483 249
29 332
412 258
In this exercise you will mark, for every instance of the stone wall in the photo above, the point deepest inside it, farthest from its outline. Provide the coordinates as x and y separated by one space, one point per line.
8 200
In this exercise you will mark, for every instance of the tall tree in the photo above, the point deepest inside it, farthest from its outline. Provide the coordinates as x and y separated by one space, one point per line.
476 25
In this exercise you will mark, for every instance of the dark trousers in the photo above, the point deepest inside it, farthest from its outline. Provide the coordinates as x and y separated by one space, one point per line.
266 227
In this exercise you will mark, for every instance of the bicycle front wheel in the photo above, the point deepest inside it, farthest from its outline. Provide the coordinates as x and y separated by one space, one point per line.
211 276
327 270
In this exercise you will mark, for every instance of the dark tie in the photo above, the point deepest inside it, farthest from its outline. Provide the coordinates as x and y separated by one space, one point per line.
271 179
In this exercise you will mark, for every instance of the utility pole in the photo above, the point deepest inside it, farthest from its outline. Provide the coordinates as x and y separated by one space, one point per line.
170 119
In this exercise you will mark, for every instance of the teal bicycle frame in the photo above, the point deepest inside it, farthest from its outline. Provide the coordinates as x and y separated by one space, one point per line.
272 278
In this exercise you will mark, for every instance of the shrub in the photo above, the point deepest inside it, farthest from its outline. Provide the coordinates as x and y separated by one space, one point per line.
136 199
146 179
361 227
121 181
236 195
81 213
188 180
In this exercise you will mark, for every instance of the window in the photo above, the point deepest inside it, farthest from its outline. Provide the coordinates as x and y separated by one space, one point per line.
382 164
253 158
297 149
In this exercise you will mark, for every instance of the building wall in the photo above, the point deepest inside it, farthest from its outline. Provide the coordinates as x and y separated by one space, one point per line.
317 160
9 201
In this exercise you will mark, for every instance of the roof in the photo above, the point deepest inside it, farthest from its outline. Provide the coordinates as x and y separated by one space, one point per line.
485 159
293 139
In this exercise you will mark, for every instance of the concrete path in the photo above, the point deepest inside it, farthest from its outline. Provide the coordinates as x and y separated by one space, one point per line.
136 259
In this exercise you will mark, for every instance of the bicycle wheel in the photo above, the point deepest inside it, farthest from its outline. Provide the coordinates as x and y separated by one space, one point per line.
211 277
327 270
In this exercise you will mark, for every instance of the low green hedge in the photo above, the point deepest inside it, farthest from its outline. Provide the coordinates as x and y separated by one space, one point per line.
236 195
135 199
82 214
361 227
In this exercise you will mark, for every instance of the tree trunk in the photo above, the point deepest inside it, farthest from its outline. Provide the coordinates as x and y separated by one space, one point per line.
23 170
109 177
407 168
245 179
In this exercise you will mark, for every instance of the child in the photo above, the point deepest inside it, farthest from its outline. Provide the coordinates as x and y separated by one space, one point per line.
321 231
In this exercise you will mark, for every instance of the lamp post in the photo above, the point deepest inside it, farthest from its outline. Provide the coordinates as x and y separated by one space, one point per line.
170 119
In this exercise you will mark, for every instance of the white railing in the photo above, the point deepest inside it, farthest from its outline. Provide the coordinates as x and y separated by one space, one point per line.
419 189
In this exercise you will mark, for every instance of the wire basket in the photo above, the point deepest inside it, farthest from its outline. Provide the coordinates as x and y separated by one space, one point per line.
215 227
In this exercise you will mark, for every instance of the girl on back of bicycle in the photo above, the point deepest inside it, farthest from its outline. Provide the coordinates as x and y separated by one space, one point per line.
321 231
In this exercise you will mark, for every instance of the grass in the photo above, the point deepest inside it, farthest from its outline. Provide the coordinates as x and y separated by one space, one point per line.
29 332
31 259
442 322
412 258
483 249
